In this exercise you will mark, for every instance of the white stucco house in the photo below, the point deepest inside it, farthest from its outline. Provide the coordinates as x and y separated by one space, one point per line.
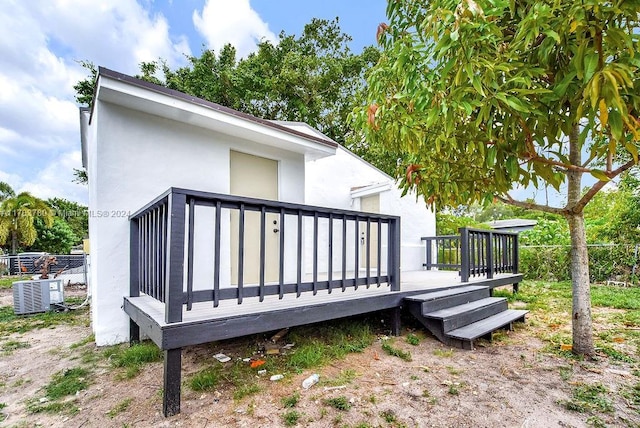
140 139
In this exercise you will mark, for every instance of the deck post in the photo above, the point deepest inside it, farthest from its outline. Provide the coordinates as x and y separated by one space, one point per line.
175 264
394 254
516 260
464 254
490 258
134 275
134 333
396 325
172 375
428 253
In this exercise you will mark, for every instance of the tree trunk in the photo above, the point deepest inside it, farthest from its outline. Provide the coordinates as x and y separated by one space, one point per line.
14 242
581 289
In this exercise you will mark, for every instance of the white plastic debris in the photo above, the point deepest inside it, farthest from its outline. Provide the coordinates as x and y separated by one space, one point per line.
222 358
276 377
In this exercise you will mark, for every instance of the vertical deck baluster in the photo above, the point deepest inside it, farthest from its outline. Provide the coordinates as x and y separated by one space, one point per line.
344 253
216 256
315 253
281 261
356 265
368 252
163 271
299 254
141 254
240 253
157 253
152 267
147 288
263 246
379 249
330 261
190 245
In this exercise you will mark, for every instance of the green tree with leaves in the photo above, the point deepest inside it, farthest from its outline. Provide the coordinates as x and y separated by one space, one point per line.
490 94
58 238
18 214
312 78
75 215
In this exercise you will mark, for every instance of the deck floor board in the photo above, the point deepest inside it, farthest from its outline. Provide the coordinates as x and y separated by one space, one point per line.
412 282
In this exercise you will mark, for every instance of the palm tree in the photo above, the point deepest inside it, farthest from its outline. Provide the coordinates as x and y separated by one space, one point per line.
17 215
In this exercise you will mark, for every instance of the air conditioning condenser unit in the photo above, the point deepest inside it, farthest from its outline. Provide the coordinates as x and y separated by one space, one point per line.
30 297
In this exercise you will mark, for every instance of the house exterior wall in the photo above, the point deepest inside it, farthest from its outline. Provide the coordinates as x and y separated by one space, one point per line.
133 157
329 182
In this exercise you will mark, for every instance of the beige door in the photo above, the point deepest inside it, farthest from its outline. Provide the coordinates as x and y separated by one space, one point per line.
255 177
369 204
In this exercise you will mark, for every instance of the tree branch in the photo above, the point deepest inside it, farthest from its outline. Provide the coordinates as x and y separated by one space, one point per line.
529 205
559 164
599 185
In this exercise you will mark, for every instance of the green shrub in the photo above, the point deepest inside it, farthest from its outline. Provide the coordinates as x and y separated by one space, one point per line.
554 263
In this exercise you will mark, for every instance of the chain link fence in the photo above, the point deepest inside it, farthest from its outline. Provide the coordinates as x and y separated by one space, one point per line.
70 268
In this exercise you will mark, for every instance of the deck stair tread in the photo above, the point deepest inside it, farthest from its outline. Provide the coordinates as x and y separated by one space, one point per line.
435 295
464 308
487 325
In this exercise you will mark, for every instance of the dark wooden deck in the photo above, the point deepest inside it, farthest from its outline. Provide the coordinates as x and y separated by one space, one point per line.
352 267
204 323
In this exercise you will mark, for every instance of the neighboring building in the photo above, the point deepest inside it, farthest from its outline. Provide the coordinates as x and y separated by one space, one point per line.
140 139
512 225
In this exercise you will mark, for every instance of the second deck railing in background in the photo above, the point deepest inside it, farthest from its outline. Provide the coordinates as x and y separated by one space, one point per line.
475 252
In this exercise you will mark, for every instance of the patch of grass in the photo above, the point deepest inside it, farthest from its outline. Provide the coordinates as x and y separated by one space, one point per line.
454 371
313 354
245 390
566 373
338 403
318 345
12 323
412 339
443 353
596 422
86 340
291 418
57 407
589 398
11 345
206 379
615 354
389 416
67 382
132 358
615 297
454 389
291 401
345 377
7 281
395 352
120 407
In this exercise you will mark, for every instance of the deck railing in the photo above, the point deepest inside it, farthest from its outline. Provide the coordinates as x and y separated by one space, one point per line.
475 252
316 249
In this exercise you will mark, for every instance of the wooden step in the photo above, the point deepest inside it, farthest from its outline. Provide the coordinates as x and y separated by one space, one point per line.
442 299
461 315
487 325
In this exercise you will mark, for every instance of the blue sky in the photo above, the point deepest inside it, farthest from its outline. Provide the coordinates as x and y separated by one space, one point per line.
42 40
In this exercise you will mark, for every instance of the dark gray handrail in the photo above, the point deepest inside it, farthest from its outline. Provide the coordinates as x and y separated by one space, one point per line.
163 251
475 252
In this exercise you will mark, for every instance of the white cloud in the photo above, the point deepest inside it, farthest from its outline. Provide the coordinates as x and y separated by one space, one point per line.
56 180
235 22
40 43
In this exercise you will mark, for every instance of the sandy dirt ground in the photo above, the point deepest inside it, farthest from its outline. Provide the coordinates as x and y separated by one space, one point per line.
507 383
